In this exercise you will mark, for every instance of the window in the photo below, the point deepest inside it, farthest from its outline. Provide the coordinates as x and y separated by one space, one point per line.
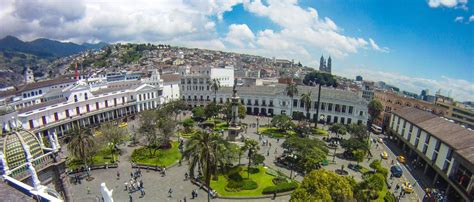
78 110
43 118
425 148
337 108
361 113
351 108
435 156
335 119
75 98
88 108
271 103
295 103
67 113
86 97
349 120
342 120
330 107
123 100
427 140
40 92
56 117
139 97
343 109
106 103
97 105
323 106
438 145
32 125
301 104
115 101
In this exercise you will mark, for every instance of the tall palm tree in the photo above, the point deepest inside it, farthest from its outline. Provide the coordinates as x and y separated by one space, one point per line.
306 98
252 147
206 151
291 91
215 85
82 144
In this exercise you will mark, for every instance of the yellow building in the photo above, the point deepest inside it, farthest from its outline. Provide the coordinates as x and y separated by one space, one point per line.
456 111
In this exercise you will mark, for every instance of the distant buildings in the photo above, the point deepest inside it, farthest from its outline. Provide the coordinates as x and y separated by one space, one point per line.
325 67
359 78
456 111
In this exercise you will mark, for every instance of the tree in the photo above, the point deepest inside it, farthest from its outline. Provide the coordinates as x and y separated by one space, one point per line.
282 122
309 152
199 114
252 147
323 79
291 91
175 107
206 151
368 189
353 144
358 131
258 159
166 126
212 110
306 99
338 128
114 135
323 185
82 145
148 128
359 155
215 86
188 124
374 108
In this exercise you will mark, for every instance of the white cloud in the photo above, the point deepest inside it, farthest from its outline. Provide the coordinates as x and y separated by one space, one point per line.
459 19
376 47
460 89
446 3
471 18
240 35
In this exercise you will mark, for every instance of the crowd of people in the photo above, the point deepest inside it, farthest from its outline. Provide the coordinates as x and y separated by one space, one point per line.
134 184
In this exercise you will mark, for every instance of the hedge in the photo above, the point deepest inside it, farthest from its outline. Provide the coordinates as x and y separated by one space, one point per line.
283 187
389 197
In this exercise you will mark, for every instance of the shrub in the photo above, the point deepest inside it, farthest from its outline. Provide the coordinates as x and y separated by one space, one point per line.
389 197
272 172
249 185
234 186
235 176
280 188
253 170
279 180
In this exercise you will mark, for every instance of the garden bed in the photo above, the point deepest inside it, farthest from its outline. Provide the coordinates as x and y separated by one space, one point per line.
161 157
102 158
275 132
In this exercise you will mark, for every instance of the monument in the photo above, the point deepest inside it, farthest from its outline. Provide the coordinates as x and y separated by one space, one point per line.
106 193
234 127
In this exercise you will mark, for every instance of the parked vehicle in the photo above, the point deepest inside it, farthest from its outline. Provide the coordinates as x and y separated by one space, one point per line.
384 155
396 170
401 159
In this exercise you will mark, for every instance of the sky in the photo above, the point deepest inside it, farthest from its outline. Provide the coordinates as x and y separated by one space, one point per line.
413 44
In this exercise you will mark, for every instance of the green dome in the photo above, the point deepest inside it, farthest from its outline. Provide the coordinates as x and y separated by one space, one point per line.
13 150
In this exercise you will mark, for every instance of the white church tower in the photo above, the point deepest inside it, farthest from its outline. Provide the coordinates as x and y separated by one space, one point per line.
29 77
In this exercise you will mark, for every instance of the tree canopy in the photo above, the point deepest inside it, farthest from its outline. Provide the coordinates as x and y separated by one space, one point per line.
338 128
323 185
374 108
282 122
309 152
227 111
324 79
199 114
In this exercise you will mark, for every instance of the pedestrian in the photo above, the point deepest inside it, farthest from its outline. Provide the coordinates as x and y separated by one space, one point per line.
130 197
118 175
131 174
278 139
170 192
139 172
193 194
270 144
274 195
88 190
141 183
268 152
186 176
126 186
184 199
275 150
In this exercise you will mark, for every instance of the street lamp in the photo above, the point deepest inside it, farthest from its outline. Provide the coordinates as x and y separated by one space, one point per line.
258 133
293 158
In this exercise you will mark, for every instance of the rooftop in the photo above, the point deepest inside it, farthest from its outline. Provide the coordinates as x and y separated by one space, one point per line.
42 84
459 138
170 77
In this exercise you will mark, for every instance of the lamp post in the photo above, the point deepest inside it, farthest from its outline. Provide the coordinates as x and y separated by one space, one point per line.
258 133
334 155
293 158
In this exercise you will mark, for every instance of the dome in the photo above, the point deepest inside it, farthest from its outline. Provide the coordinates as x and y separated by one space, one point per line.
14 151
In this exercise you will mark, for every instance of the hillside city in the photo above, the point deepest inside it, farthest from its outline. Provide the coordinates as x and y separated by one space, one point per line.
138 121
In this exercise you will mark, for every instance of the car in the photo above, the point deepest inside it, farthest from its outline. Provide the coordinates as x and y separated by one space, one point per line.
401 159
123 124
396 170
384 155
407 187
380 140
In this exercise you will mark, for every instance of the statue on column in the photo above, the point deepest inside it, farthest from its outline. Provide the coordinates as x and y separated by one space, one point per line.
106 193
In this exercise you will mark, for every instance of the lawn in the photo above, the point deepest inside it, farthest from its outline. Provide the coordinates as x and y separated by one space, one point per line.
382 194
163 158
318 131
275 132
262 179
104 156
187 135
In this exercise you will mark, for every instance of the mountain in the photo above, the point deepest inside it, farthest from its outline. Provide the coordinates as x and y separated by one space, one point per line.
45 47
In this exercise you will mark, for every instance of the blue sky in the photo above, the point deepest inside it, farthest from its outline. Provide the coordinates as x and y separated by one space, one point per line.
414 44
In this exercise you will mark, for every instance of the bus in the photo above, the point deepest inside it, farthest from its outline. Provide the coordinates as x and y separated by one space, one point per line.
376 129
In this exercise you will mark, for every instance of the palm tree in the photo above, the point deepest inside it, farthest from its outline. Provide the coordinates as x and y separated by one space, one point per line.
206 151
82 144
215 85
252 147
306 98
291 91
323 79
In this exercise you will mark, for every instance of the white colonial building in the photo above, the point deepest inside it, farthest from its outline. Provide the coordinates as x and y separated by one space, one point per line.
445 150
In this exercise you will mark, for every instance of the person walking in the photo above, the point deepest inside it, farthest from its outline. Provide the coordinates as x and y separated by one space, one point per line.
118 175
170 192
184 199
130 198
186 176
141 183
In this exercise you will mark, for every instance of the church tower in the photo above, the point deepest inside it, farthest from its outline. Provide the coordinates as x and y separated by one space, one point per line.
29 77
322 64
328 68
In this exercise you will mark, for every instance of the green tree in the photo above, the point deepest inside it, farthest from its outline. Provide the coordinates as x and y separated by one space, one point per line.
282 122
353 143
306 99
291 91
148 128
113 135
320 79
257 159
227 111
82 145
206 151
358 131
199 114
374 108
215 86
166 126
338 128
212 110
175 107
309 152
323 185
359 155
188 124
368 189
252 147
